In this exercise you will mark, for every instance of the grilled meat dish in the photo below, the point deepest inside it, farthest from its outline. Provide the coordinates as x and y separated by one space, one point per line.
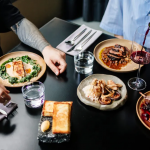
115 56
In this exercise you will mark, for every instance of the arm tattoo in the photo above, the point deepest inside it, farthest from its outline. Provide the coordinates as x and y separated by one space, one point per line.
29 34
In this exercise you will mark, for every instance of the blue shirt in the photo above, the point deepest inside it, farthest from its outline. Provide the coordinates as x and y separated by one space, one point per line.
123 17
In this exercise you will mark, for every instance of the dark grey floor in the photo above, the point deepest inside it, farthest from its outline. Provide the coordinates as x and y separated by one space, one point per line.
92 24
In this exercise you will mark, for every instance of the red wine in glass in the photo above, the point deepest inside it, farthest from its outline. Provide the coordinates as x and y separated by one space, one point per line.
139 57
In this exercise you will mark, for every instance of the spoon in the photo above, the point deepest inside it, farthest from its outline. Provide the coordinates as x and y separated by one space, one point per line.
72 42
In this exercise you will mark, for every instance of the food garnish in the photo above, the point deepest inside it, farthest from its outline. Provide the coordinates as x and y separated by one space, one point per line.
115 57
101 92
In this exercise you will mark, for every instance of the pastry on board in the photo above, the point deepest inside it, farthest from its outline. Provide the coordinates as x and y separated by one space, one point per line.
48 108
61 118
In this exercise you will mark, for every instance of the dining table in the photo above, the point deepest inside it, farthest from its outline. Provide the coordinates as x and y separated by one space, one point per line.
91 129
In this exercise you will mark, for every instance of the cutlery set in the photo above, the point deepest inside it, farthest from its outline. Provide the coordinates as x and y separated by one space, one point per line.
80 47
3 112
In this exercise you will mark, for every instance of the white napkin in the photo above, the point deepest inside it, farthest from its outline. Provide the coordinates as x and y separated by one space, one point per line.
65 47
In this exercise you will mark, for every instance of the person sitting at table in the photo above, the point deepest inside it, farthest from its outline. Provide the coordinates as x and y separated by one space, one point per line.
28 33
123 17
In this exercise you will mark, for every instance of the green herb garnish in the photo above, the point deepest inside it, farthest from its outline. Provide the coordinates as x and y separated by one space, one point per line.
9 60
13 80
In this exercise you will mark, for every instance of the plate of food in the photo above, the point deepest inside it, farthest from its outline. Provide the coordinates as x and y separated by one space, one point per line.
143 109
18 68
114 55
55 123
104 92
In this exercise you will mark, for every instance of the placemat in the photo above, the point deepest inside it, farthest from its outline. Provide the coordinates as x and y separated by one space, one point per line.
65 47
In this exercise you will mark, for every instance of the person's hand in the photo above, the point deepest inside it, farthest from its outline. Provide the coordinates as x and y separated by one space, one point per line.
118 36
4 94
55 59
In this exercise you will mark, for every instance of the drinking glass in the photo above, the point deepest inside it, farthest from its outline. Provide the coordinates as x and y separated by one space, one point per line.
140 54
84 62
34 94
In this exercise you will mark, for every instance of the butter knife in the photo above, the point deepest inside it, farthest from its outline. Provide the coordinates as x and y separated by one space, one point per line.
3 112
72 48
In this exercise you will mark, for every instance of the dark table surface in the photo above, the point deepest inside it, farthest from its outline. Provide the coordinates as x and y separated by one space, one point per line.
91 128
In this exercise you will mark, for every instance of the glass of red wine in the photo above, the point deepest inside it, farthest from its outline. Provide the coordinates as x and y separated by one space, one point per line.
140 54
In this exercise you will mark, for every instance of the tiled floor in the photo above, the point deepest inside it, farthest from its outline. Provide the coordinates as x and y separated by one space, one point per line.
92 24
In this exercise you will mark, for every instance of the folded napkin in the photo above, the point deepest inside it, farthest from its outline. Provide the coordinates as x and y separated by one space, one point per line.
65 47
9 109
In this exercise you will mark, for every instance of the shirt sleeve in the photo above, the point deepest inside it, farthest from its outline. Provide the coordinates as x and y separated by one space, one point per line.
9 15
113 18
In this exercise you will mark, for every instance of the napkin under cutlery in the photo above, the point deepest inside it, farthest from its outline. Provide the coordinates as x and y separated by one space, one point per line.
9 109
65 47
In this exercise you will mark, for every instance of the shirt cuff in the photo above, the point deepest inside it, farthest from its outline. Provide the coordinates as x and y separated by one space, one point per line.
113 29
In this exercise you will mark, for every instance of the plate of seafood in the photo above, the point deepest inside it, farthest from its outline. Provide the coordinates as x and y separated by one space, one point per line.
114 55
143 109
104 92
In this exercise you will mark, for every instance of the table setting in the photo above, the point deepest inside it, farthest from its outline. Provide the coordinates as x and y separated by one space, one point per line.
95 100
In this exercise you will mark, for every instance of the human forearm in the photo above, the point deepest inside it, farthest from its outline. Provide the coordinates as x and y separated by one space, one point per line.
29 34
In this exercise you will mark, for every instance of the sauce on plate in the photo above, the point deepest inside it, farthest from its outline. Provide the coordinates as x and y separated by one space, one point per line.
111 64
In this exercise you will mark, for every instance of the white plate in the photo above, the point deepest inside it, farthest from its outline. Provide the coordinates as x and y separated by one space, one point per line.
115 104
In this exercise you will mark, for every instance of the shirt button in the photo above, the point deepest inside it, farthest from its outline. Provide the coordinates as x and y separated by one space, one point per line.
148 14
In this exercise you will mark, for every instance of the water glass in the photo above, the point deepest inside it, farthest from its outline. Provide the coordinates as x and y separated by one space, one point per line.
84 62
34 94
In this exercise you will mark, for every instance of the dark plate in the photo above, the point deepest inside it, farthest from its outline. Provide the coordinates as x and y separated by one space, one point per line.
48 136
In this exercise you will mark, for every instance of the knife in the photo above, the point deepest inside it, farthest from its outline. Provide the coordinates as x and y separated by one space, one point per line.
72 48
3 112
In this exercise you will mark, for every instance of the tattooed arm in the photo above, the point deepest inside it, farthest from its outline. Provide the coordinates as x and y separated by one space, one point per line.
29 34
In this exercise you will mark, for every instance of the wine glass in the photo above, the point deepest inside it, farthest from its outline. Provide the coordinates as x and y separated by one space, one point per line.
140 54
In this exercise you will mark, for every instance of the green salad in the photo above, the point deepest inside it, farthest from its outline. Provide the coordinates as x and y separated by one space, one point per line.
26 59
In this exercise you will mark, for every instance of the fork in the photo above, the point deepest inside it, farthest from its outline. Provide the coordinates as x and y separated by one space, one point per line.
71 42
72 48
81 46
